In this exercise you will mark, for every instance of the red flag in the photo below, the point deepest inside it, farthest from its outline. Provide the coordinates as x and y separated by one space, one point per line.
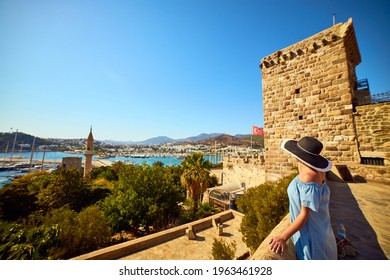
257 131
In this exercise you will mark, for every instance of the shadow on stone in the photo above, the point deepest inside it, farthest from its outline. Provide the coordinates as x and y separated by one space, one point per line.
200 238
344 207
359 179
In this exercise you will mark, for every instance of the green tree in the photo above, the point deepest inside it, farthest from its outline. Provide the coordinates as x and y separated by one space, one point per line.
79 233
18 198
16 202
196 177
66 188
118 210
145 196
264 207
109 173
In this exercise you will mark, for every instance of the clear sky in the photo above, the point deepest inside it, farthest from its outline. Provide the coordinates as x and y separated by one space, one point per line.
136 69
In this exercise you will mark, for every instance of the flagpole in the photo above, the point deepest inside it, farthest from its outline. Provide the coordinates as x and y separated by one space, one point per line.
251 136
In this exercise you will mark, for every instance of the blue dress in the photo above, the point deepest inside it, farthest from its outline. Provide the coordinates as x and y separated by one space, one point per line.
315 240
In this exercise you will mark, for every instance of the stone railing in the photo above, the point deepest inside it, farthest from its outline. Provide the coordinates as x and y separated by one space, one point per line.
264 253
132 246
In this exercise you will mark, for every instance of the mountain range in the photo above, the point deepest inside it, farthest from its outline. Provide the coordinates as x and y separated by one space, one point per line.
208 139
6 140
163 139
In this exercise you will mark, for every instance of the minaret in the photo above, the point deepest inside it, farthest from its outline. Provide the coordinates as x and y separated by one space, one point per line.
88 153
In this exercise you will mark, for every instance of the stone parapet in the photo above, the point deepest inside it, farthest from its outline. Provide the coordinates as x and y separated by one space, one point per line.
129 247
264 253
370 173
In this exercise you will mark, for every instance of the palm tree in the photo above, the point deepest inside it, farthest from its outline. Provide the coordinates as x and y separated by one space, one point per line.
196 177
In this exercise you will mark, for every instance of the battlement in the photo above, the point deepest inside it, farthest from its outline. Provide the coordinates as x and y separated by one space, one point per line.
315 44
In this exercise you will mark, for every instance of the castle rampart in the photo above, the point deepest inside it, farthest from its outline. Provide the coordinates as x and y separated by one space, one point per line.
373 130
248 170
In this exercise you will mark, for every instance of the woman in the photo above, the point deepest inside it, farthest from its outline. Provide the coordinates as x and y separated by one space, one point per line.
310 228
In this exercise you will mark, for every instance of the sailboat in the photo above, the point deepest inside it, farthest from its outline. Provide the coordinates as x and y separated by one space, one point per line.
6 151
8 166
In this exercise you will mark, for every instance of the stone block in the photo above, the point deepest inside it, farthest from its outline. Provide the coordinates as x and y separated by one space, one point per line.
190 233
216 222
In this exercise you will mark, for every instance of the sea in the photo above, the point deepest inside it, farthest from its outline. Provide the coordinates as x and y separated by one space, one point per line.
49 157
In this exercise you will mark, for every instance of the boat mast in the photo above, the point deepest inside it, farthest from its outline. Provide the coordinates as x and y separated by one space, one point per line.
43 156
13 146
20 151
32 153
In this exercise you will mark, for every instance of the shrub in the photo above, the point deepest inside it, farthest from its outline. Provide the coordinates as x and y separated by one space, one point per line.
205 209
224 251
66 188
187 214
20 243
264 207
18 198
79 233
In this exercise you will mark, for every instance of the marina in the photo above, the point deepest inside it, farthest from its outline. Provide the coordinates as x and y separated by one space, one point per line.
22 163
10 172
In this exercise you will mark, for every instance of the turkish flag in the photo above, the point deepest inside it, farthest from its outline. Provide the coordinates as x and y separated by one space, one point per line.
257 131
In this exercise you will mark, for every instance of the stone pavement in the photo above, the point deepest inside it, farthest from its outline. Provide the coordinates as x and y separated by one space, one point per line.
364 209
182 248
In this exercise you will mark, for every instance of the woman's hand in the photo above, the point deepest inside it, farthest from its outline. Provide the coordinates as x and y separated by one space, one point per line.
277 244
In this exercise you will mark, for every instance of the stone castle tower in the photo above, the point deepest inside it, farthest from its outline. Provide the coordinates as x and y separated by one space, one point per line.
308 90
88 153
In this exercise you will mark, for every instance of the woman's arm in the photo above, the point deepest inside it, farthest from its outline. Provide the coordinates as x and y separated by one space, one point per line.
278 243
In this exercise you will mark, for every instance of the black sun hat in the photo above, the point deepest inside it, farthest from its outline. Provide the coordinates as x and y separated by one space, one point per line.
307 150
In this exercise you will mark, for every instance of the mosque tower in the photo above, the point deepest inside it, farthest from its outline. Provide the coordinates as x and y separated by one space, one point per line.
88 153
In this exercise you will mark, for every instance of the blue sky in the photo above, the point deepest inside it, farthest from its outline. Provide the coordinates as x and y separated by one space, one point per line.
137 69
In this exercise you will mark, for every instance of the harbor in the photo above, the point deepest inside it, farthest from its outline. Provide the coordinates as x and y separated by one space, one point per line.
18 167
22 163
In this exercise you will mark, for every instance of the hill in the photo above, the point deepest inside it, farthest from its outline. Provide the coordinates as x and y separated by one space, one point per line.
7 140
163 139
228 140
156 140
201 137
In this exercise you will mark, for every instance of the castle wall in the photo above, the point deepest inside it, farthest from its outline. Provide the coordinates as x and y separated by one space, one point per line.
247 170
373 129
308 90
71 162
